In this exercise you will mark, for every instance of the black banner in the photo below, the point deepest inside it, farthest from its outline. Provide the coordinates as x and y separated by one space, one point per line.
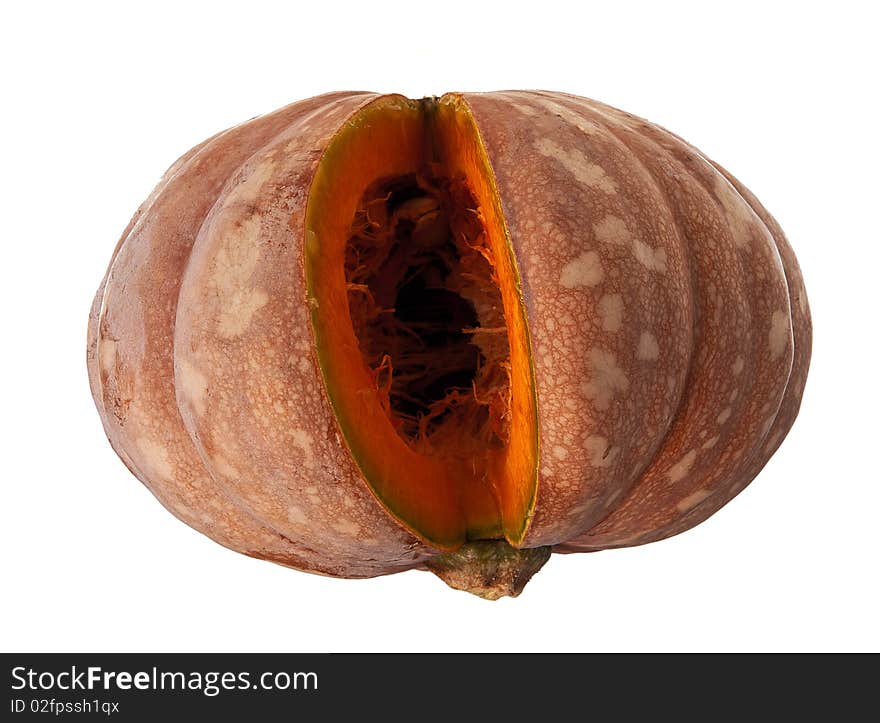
267 687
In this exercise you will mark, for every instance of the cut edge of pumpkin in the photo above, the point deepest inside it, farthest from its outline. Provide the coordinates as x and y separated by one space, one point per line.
470 471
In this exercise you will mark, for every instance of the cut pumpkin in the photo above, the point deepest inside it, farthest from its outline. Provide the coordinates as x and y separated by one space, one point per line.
321 342
419 321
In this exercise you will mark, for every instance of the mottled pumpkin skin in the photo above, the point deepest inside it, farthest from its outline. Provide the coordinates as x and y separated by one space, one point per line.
201 361
669 323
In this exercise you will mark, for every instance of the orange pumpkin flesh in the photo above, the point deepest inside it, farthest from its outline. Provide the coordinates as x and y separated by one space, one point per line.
419 324
364 334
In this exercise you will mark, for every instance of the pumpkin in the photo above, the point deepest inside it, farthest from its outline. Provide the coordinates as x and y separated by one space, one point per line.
365 334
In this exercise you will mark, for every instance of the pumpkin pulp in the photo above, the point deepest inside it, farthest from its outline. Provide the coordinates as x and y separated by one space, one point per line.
419 322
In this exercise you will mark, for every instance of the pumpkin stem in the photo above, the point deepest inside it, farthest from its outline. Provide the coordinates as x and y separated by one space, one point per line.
489 568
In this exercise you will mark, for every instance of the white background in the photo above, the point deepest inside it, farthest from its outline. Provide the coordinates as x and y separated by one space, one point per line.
98 99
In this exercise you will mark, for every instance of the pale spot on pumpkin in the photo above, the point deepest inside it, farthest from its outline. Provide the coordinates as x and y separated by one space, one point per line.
192 384
578 165
648 349
612 230
296 516
693 499
346 527
724 415
207 518
156 457
234 266
599 452
569 116
293 146
739 215
680 469
223 467
107 355
780 331
606 380
237 316
709 443
560 452
304 441
611 312
523 108
738 365
653 259
250 188
585 270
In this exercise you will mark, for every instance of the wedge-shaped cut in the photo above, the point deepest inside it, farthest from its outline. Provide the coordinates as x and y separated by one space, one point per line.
419 321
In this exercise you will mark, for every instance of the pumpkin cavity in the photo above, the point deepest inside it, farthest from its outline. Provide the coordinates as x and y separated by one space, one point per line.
428 313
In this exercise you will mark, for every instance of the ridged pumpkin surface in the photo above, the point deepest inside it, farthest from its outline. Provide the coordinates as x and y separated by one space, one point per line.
668 334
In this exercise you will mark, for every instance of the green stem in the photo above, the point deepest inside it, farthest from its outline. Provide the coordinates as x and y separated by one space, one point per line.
489 568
